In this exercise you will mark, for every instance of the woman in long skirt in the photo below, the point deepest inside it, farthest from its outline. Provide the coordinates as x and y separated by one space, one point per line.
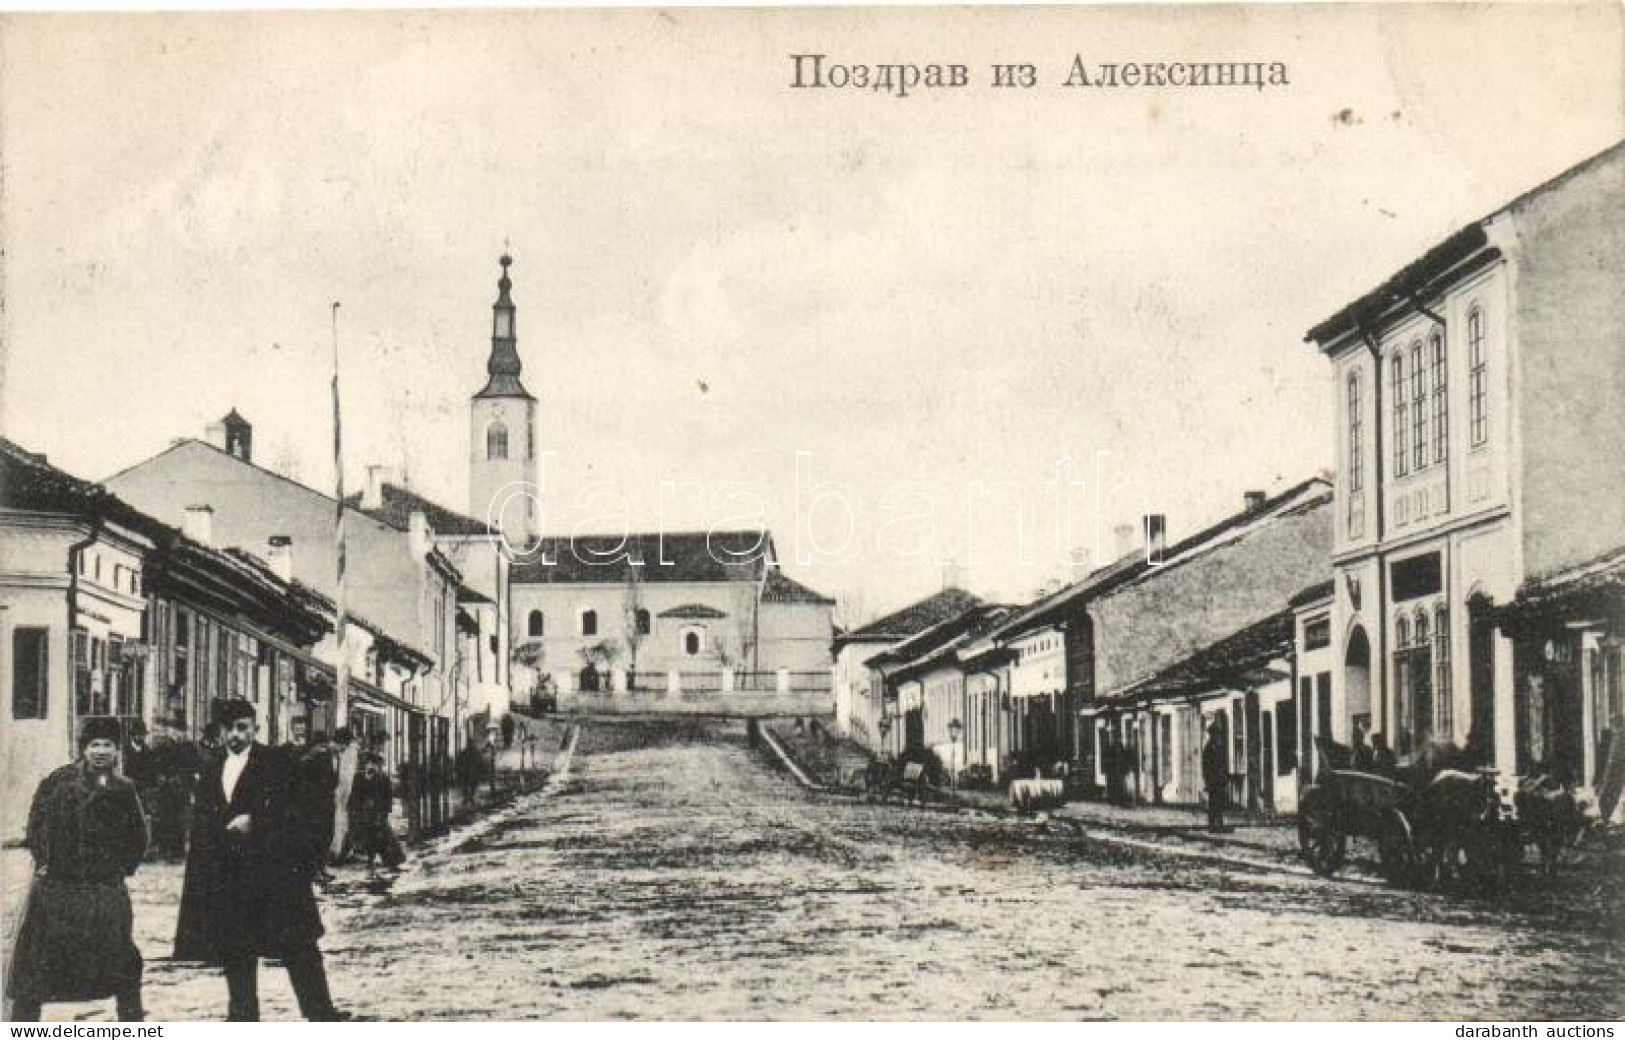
86 833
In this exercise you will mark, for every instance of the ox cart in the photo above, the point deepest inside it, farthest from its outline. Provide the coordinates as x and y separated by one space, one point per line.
1458 826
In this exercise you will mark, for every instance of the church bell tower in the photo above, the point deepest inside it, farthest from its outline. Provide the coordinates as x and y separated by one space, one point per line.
502 433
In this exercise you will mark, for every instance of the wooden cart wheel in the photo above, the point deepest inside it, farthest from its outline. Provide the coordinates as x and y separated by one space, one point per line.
1320 839
1403 861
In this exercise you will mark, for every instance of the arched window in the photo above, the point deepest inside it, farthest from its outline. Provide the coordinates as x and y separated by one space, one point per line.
496 440
535 626
1402 633
1356 474
1441 406
1419 409
1402 417
1443 711
691 643
1419 634
643 622
589 622
1478 381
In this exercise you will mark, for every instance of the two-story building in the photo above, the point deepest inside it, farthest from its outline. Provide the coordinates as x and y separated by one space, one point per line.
1479 449
398 584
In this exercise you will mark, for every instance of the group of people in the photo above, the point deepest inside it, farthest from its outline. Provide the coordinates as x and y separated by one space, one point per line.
262 829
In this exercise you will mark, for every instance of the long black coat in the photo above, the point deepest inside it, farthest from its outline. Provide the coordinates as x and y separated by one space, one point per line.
251 894
74 942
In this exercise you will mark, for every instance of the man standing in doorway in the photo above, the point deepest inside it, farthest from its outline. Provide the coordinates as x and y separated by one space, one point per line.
249 873
1216 776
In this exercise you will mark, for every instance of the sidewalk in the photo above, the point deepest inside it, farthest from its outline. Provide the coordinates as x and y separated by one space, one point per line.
1269 839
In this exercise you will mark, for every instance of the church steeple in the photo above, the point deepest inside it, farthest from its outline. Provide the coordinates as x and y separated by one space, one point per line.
503 366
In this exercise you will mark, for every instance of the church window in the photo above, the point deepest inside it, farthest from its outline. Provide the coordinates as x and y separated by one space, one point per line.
496 441
535 625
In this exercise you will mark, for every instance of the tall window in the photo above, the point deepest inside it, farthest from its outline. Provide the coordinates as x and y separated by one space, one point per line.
1356 474
496 441
1413 682
1419 410
1442 708
1441 405
589 622
30 672
535 625
1402 418
691 643
643 622
1478 379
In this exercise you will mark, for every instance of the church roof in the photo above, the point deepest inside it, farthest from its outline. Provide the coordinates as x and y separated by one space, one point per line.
683 556
503 366
780 588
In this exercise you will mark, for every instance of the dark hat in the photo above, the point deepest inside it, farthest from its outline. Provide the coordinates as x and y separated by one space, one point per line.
98 727
227 712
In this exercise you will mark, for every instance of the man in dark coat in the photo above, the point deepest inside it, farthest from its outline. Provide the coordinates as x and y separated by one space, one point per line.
86 834
248 875
1216 776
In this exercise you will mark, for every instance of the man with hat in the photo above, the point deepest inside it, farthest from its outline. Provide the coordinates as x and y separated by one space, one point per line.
87 834
248 874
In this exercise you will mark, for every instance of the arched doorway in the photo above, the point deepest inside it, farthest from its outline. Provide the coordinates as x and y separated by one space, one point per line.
1357 681
589 679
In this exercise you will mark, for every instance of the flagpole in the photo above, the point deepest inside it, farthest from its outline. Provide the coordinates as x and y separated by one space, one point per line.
341 681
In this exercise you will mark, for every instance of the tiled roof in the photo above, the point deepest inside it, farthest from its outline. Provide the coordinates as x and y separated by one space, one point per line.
690 611
1313 594
28 481
914 618
1313 493
686 556
1591 591
942 643
1242 657
1400 288
400 503
963 626
780 588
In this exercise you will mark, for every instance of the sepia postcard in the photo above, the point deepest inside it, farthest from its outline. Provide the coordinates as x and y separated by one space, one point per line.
1098 513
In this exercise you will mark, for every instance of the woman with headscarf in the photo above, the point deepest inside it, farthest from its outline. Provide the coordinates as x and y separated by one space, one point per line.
86 833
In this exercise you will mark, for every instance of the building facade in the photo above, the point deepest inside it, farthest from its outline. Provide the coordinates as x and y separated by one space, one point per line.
1478 449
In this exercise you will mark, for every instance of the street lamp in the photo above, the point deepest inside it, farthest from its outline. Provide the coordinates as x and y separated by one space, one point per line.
884 725
955 728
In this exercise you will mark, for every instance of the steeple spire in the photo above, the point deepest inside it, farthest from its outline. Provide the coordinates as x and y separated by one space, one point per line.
503 366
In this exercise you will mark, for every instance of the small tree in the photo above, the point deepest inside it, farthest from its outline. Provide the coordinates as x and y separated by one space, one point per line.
632 609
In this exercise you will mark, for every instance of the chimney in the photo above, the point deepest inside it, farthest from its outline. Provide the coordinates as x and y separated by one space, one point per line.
1079 562
279 554
419 537
372 496
1156 537
1123 540
199 524
1254 500
215 434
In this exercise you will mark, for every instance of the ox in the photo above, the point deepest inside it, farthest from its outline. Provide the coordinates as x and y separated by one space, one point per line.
1552 815
1468 823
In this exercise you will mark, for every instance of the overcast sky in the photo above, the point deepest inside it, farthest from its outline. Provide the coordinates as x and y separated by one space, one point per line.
715 271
